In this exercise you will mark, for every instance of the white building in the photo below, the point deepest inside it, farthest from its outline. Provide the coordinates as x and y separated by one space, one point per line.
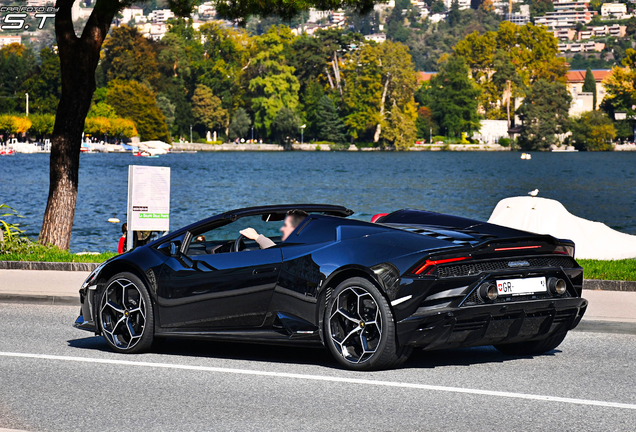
131 13
337 16
316 15
616 10
463 4
376 37
435 18
160 15
8 40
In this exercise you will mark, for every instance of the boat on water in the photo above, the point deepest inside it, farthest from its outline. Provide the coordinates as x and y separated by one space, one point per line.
144 153
7 152
526 156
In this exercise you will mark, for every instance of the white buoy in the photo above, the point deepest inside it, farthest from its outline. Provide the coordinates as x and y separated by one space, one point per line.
113 220
534 193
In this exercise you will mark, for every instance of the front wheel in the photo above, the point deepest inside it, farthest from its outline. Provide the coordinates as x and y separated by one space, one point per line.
359 328
533 347
126 318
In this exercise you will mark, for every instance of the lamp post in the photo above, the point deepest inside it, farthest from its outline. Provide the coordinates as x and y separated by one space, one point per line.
302 129
190 134
252 134
27 104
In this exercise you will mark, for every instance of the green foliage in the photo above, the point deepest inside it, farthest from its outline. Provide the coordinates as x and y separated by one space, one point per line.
8 230
129 56
44 86
24 249
328 123
504 142
589 85
207 110
137 102
274 86
540 7
453 98
609 270
544 113
240 125
17 63
42 124
101 109
593 131
286 126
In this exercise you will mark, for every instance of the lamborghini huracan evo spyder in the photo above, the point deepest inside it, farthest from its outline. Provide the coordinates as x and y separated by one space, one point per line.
368 291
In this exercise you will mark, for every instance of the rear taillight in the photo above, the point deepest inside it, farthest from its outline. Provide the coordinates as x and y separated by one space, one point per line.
517 248
375 217
564 250
428 266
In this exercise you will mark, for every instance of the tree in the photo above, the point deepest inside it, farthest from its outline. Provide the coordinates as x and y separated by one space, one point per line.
453 14
79 57
593 131
101 109
285 126
129 56
328 123
589 85
453 98
167 108
41 125
378 78
17 64
137 102
544 113
274 85
240 125
44 86
207 110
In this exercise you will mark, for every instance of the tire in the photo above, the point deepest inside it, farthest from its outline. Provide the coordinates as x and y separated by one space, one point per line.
358 316
532 348
125 314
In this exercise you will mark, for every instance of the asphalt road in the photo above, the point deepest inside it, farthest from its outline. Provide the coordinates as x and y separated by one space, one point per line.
53 377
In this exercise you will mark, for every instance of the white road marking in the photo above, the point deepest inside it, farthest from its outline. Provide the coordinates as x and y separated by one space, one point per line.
327 378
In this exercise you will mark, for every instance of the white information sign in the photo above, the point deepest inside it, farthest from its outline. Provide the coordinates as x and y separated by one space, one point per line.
148 199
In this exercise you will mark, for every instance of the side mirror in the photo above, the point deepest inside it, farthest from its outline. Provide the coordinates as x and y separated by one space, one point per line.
169 249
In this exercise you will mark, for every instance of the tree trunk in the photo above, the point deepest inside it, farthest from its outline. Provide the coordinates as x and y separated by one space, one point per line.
378 128
78 60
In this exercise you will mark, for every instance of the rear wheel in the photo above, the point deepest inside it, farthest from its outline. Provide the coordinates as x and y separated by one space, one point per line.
533 347
359 328
125 314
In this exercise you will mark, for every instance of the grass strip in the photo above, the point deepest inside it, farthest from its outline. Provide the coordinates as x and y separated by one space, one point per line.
609 270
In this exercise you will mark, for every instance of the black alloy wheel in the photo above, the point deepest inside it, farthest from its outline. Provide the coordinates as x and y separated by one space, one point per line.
125 314
359 327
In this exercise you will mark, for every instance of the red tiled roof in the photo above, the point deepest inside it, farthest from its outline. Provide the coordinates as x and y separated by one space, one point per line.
425 76
579 75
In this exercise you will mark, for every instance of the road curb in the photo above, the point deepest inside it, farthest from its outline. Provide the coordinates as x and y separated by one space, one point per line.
40 299
40 265
609 285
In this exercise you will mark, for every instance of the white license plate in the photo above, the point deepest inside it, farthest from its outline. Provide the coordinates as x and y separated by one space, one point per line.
521 286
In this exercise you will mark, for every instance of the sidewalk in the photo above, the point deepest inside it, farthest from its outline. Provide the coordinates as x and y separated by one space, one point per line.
61 288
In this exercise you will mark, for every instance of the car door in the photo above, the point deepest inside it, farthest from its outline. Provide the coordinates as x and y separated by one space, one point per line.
219 290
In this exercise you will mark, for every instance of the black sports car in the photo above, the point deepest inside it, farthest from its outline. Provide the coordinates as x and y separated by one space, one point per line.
369 291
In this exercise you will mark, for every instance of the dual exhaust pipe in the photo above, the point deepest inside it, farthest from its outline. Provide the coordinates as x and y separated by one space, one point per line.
487 291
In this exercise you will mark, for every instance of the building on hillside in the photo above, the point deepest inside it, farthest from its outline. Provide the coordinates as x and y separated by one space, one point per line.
602 31
337 17
613 10
576 78
517 18
380 7
582 47
160 15
491 130
565 34
566 15
316 15
78 12
376 37
130 13
424 76
581 103
435 18
8 40
207 9
463 4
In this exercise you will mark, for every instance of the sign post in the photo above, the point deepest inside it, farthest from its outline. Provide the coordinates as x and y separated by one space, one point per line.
148 200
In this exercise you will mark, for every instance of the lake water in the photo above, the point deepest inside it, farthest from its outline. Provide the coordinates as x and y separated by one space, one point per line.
596 186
